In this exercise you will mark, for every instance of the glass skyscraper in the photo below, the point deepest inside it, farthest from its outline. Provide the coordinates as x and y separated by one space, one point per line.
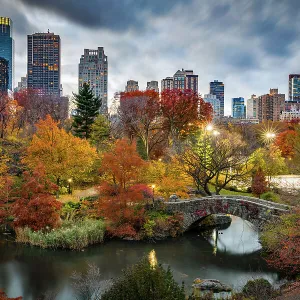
294 87
238 108
43 67
217 88
7 47
4 77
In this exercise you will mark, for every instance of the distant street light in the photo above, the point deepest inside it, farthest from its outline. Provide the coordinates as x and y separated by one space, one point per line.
209 127
269 136
69 185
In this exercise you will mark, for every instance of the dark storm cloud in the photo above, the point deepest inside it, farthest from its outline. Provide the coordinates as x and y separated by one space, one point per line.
112 14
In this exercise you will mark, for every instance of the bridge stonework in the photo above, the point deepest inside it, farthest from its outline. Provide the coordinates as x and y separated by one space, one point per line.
254 210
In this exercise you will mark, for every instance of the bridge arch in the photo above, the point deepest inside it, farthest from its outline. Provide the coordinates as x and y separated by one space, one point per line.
254 210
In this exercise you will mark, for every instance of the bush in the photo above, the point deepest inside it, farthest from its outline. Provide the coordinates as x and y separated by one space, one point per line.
270 196
71 235
259 289
145 281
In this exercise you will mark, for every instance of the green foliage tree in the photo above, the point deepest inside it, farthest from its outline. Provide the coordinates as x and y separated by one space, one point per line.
144 281
87 109
260 289
100 132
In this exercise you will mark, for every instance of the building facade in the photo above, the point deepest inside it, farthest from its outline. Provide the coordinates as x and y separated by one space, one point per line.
132 86
179 80
22 85
4 75
191 81
270 106
251 109
153 85
93 70
217 88
7 47
44 66
215 103
292 114
167 84
238 108
294 87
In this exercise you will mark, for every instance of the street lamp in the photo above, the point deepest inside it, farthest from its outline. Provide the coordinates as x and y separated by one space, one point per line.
209 127
153 187
69 185
269 136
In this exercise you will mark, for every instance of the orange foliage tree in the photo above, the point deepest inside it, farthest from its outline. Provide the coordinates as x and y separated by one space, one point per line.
120 198
259 183
37 208
63 155
285 142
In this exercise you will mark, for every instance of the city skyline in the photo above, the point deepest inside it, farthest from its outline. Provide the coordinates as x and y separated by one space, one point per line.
241 53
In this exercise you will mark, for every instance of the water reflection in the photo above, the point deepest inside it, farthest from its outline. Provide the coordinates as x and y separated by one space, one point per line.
30 271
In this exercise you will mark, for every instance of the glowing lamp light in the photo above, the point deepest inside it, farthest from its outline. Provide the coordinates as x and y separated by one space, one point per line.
209 127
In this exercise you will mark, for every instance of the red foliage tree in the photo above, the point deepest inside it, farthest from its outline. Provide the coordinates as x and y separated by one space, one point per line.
139 113
183 111
3 296
259 183
37 208
285 142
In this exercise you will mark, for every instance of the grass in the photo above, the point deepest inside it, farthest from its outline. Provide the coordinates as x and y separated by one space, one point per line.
71 235
230 193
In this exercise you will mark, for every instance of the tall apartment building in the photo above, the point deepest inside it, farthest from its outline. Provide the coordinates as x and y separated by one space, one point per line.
252 107
215 103
217 88
153 85
179 80
132 86
4 75
294 87
191 81
7 47
270 106
93 70
167 84
43 66
238 108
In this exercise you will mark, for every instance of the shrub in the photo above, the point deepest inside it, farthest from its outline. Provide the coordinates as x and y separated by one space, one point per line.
71 235
145 281
259 289
270 196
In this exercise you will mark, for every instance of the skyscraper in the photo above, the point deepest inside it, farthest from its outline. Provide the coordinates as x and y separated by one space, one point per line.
43 67
191 81
294 87
270 106
21 84
217 88
215 103
252 104
7 47
4 75
179 80
167 84
152 85
93 70
132 86
238 108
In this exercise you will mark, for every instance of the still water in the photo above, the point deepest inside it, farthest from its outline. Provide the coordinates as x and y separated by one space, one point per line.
230 255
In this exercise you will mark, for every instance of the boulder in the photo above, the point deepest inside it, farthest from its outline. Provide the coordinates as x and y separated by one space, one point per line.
212 285
174 198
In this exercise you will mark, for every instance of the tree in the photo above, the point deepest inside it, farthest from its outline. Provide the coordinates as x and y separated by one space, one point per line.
87 109
259 183
183 112
3 296
100 132
37 208
139 113
213 159
63 155
145 281
285 142
281 240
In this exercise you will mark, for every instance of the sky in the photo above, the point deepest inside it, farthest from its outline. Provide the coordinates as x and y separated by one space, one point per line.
250 45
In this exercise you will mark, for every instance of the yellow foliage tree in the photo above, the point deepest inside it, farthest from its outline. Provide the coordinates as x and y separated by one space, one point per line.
63 155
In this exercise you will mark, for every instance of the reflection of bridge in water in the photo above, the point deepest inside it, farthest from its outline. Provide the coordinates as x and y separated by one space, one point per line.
254 210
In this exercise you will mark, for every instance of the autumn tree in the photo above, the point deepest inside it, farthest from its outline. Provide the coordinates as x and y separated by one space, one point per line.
100 132
218 159
285 142
281 239
259 183
37 208
63 155
139 113
87 109
183 112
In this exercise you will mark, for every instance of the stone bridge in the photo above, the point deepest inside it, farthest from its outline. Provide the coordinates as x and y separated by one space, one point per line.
254 210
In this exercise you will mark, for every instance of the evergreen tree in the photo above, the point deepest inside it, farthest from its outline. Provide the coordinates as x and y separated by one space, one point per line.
87 109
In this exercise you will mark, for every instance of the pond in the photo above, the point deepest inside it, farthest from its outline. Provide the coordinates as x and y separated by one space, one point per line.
230 255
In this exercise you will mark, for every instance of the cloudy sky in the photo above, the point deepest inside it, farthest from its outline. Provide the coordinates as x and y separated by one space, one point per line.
251 45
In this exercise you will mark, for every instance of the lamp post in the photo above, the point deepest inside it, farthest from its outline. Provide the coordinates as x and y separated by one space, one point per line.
69 185
153 187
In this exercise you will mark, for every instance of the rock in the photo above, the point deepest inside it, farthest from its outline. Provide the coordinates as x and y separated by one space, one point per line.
174 198
210 285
